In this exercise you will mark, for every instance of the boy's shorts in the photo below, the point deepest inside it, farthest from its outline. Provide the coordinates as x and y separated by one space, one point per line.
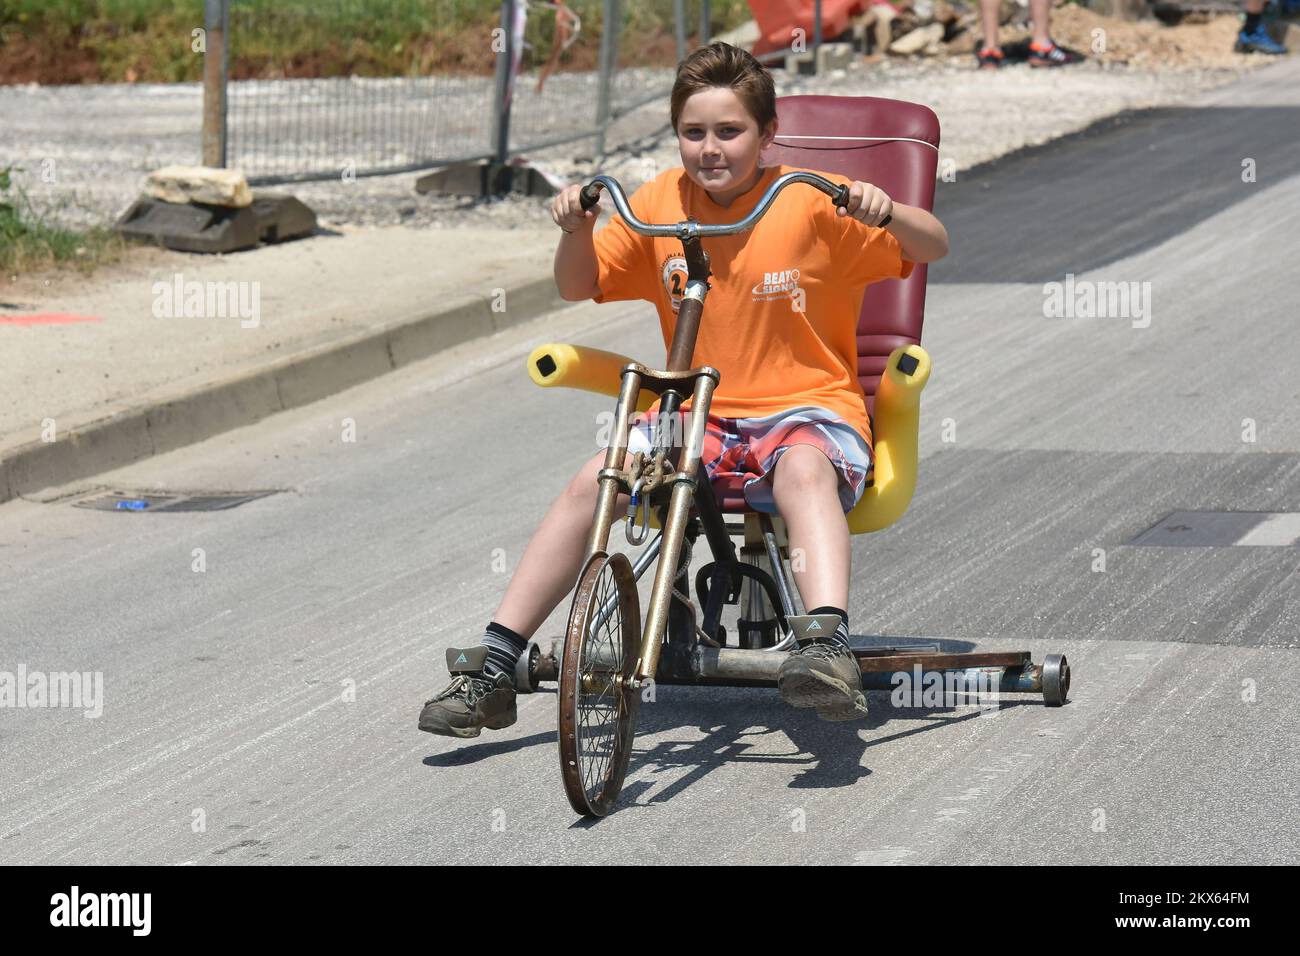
751 447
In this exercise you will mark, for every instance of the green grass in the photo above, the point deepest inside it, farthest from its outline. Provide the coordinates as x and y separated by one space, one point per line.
150 40
28 241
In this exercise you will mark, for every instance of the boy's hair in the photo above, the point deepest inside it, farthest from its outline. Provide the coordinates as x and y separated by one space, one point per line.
721 64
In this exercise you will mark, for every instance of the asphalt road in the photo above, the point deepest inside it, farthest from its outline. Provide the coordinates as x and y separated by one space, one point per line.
264 709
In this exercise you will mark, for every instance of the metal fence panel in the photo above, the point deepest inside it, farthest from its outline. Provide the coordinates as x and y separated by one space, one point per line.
641 75
296 127
322 127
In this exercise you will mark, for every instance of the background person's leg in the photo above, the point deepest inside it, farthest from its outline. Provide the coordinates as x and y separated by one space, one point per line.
1040 21
989 21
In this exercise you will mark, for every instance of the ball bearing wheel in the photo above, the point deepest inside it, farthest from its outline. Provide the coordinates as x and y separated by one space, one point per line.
1056 680
526 667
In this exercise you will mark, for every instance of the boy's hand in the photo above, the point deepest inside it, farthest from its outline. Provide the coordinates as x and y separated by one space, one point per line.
867 203
566 210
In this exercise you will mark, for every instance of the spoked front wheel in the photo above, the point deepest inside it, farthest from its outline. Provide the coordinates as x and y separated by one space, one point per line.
598 704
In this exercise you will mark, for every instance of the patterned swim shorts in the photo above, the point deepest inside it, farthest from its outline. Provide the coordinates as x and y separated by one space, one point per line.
750 448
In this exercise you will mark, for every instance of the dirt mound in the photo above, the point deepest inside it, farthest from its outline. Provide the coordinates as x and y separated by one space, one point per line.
1200 42
1149 43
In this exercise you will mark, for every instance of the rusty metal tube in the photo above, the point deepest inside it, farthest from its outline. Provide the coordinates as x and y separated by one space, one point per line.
679 510
607 498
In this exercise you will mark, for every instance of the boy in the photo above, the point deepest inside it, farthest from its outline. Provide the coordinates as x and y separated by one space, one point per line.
781 328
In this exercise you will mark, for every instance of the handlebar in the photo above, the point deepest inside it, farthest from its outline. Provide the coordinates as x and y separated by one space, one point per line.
691 229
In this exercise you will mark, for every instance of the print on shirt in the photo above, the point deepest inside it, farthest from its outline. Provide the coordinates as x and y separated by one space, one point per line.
781 284
674 275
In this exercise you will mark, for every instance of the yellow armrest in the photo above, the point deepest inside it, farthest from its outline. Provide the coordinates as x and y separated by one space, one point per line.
896 428
897 419
557 364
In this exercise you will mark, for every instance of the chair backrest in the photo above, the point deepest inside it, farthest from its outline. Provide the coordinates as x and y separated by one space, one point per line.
894 145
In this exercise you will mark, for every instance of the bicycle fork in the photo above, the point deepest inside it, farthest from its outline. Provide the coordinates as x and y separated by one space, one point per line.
684 480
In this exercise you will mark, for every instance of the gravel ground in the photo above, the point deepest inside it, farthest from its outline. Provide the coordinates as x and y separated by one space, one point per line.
96 143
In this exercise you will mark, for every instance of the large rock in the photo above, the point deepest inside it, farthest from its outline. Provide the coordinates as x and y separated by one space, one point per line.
920 40
202 184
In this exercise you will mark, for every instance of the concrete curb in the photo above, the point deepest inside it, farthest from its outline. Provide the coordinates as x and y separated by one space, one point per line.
166 420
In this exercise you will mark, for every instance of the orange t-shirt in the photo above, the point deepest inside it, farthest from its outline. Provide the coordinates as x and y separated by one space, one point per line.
801 255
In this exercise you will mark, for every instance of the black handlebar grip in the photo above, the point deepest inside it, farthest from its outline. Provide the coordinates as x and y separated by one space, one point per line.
842 199
589 196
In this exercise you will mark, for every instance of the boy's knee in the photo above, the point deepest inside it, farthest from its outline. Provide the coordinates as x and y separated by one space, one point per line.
584 485
803 467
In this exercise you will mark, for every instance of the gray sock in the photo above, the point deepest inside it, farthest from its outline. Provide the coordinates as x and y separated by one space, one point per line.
841 635
504 648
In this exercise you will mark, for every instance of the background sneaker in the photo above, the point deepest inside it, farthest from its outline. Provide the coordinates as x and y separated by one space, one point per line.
1258 42
989 58
1050 55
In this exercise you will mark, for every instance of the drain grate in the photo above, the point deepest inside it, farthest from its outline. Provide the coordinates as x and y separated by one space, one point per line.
171 501
1223 529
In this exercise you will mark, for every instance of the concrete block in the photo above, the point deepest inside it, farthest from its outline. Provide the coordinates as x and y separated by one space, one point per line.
830 56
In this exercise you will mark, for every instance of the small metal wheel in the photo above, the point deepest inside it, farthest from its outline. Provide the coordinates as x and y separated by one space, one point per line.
1056 680
525 668
598 705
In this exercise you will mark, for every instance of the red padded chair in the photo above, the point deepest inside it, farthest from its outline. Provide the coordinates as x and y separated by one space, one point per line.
891 144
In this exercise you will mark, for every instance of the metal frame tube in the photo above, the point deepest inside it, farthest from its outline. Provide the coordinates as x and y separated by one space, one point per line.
742 667
778 568
674 525
615 455
691 229
729 663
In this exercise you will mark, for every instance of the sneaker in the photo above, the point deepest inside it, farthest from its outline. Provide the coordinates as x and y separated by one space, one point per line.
1258 42
1050 55
472 700
989 58
822 673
